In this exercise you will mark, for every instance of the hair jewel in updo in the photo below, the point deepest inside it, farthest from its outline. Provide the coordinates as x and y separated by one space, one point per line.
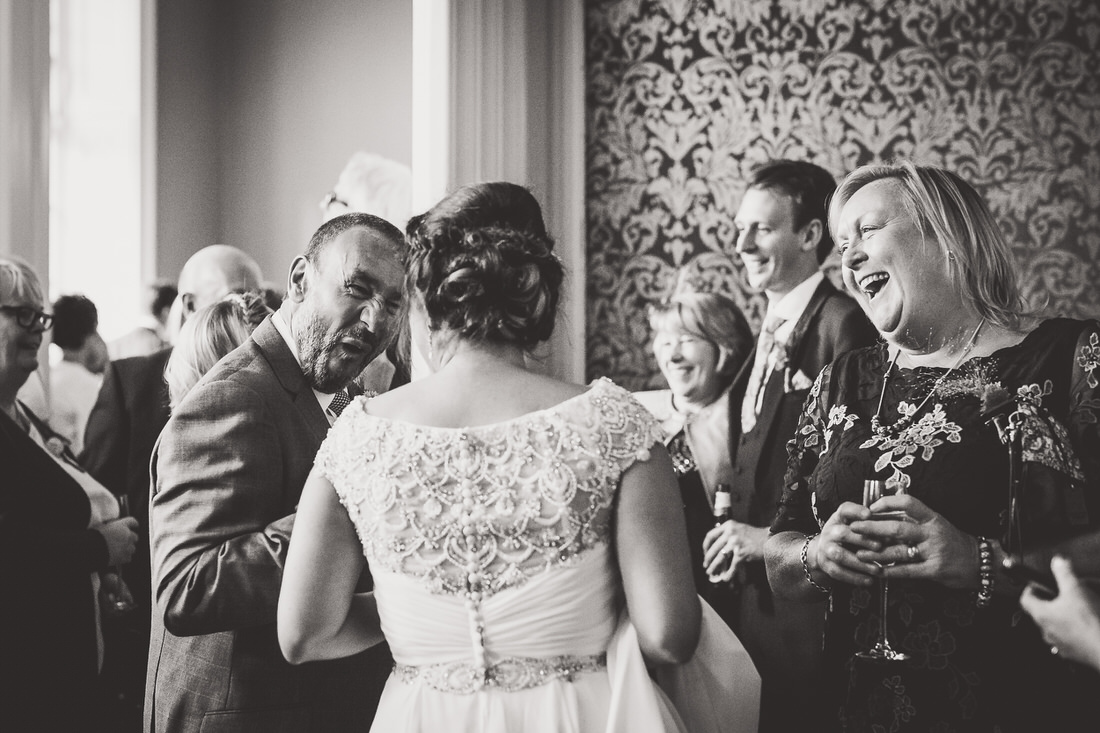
252 305
237 299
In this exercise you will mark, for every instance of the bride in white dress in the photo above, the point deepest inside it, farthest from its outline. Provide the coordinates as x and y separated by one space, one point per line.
524 534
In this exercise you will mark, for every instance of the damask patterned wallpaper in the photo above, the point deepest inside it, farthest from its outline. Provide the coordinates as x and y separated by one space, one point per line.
685 96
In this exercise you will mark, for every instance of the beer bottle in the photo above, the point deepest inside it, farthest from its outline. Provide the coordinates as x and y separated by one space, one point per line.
721 504
721 514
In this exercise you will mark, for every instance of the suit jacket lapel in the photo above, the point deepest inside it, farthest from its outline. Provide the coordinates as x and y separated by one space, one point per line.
824 290
285 367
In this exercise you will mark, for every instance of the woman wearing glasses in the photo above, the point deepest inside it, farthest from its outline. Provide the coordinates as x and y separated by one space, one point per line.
59 529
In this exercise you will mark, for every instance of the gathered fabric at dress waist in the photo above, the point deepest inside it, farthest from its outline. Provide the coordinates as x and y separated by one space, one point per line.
566 610
508 675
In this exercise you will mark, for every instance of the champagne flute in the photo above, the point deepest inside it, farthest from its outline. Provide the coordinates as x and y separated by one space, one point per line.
121 604
873 490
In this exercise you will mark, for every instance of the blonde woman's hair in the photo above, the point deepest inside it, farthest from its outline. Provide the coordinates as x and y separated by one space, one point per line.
207 336
947 210
19 280
711 317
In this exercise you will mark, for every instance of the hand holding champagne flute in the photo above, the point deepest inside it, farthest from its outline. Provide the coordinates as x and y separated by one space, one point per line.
873 490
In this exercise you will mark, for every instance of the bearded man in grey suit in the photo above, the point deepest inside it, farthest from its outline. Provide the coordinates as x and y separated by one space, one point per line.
129 413
228 470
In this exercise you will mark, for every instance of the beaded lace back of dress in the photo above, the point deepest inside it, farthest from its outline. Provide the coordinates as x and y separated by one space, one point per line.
504 501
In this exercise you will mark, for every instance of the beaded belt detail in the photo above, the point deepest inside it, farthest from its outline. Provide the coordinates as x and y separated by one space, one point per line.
510 675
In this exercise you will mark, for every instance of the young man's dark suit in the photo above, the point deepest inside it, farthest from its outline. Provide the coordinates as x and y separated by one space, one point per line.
228 471
129 413
784 638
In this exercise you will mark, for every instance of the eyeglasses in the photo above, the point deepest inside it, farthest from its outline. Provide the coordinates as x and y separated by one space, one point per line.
28 317
330 199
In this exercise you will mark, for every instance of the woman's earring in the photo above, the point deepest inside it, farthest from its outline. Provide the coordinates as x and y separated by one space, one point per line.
431 346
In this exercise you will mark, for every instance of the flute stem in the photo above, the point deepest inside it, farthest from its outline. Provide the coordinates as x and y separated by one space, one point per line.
882 611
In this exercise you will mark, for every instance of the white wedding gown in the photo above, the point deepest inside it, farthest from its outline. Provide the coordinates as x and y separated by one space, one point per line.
496 584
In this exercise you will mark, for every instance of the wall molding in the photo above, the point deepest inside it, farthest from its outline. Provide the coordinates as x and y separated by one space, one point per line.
25 133
512 109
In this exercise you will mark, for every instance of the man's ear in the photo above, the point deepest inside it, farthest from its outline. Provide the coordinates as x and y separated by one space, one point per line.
297 281
187 300
811 235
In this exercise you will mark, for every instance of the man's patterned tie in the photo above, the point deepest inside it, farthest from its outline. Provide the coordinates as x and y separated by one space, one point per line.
767 355
340 400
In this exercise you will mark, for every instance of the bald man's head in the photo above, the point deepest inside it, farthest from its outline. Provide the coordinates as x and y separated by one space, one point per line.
213 272
209 275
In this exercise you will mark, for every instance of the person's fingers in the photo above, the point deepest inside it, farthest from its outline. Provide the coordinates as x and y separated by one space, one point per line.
725 577
735 563
916 509
893 554
718 550
1032 603
889 530
718 538
849 512
844 575
847 536
715 535
839 527
717 564
129 523
840 563
1063 573
912 570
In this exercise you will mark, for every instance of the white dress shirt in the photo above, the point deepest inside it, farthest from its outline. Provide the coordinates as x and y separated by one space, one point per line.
73 392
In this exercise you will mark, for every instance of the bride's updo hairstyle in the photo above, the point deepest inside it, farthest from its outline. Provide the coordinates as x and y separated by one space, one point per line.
484 267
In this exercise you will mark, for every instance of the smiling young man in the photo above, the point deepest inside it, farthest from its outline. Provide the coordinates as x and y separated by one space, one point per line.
228 470
782 239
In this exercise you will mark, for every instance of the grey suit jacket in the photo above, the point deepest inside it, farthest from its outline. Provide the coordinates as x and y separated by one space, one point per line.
228 470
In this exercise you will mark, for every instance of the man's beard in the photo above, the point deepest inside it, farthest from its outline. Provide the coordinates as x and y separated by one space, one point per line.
315 348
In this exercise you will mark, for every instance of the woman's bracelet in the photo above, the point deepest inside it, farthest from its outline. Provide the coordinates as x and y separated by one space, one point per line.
985 572
806 565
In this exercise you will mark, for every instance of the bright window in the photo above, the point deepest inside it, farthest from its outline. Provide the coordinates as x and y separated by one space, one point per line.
95 157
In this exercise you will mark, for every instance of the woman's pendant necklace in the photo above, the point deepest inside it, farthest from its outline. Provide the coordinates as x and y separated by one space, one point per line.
886 431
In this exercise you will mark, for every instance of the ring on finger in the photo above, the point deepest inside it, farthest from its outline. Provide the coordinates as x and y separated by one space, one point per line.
912 552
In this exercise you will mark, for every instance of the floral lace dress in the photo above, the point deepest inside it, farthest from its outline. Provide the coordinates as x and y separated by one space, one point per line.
970 669
490 549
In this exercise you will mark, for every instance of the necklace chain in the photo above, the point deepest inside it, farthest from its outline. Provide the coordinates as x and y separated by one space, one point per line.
885 431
